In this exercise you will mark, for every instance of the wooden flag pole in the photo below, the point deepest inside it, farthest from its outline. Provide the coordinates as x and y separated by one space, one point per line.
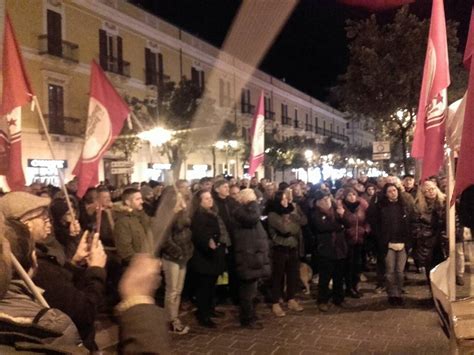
451 226
50 144
25 277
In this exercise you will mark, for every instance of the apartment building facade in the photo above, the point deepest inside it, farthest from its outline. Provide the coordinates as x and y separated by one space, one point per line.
140 51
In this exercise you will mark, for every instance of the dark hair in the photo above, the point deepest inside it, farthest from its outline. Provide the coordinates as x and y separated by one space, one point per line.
21 243
102 188
283 186
89 195
276 206
128 192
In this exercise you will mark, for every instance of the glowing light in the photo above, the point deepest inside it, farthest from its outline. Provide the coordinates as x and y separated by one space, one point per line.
156 136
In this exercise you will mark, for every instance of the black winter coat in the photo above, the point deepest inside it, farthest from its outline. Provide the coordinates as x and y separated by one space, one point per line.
204 227
250 243
77 292
330 234
178 246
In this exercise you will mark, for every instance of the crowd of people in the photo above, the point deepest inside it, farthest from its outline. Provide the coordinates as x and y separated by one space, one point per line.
114 247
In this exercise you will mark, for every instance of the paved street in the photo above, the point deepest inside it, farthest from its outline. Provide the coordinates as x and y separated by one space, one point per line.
367 325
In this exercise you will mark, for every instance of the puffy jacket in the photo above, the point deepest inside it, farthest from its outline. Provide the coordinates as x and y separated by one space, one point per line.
355 223
250 243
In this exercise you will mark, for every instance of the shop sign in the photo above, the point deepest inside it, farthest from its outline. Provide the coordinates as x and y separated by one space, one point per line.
159 166
121 164
47 163
118 171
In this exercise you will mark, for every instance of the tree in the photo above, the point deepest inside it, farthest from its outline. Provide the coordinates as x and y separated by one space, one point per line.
383 79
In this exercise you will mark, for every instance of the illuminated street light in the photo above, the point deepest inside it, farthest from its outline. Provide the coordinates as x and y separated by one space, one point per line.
308 154
226 146
156 136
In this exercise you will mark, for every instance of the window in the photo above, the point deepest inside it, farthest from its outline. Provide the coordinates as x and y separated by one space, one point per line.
337 129
154 74
267 103
56 108
245 102
296 122
285 120
343 131
111 53
324 126
54 25
225 99
197 77
330 127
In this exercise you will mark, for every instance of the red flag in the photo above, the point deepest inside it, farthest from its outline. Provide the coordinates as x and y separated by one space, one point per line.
465 168
377 5
257 150
16 93
107 114
428 143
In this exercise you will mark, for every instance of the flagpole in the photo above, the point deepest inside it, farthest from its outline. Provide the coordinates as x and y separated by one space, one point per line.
50 144
451 226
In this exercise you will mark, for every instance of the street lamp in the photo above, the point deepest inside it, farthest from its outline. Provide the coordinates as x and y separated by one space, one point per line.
156 136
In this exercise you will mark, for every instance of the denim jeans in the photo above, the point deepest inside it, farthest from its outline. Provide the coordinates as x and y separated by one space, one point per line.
394 267
174 277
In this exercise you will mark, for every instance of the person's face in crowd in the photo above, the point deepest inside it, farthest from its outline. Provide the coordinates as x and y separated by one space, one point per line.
297 190
351 197
409 183
72 186
245 182
234 192
253 182
270 190
35 188
443 183
264 181
392 193
429 190
183 188
324 203
104 199
284 200
359 187
39 227
363 179
370 191
339 194
180 203
391 180
206 186
352 182
232 181
381 182
135 201
223 190
206 200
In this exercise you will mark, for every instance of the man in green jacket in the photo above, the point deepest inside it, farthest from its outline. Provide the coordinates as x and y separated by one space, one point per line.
132 230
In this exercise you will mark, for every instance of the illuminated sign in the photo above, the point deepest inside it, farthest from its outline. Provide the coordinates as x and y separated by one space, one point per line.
47 163
159 166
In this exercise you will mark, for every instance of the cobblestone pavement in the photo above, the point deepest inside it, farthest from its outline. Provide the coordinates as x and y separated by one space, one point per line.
365 326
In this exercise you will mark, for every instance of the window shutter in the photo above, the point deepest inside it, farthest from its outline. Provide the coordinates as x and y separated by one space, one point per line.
161 72
119 55
221 92
103 49
203 81
150 67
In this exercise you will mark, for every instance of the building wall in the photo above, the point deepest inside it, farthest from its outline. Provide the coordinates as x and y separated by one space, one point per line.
81 22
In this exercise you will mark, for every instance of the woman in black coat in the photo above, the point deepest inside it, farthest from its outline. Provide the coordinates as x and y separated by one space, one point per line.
251 255
208 260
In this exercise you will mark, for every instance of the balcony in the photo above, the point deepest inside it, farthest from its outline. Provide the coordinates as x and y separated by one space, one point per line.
286 121
246 108
58 48
68 126
328 133
116 66
155 78
269 115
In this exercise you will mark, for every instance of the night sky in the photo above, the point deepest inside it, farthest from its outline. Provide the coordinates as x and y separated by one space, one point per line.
311 51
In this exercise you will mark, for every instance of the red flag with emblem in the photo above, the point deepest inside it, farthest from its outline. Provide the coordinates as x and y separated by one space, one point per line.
257 149
16 93
428 143
107 114
465 169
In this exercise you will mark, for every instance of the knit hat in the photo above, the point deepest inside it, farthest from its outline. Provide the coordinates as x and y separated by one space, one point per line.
319 195
18 204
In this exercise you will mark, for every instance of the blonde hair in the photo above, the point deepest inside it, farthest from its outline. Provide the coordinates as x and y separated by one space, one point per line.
247 195
420 200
